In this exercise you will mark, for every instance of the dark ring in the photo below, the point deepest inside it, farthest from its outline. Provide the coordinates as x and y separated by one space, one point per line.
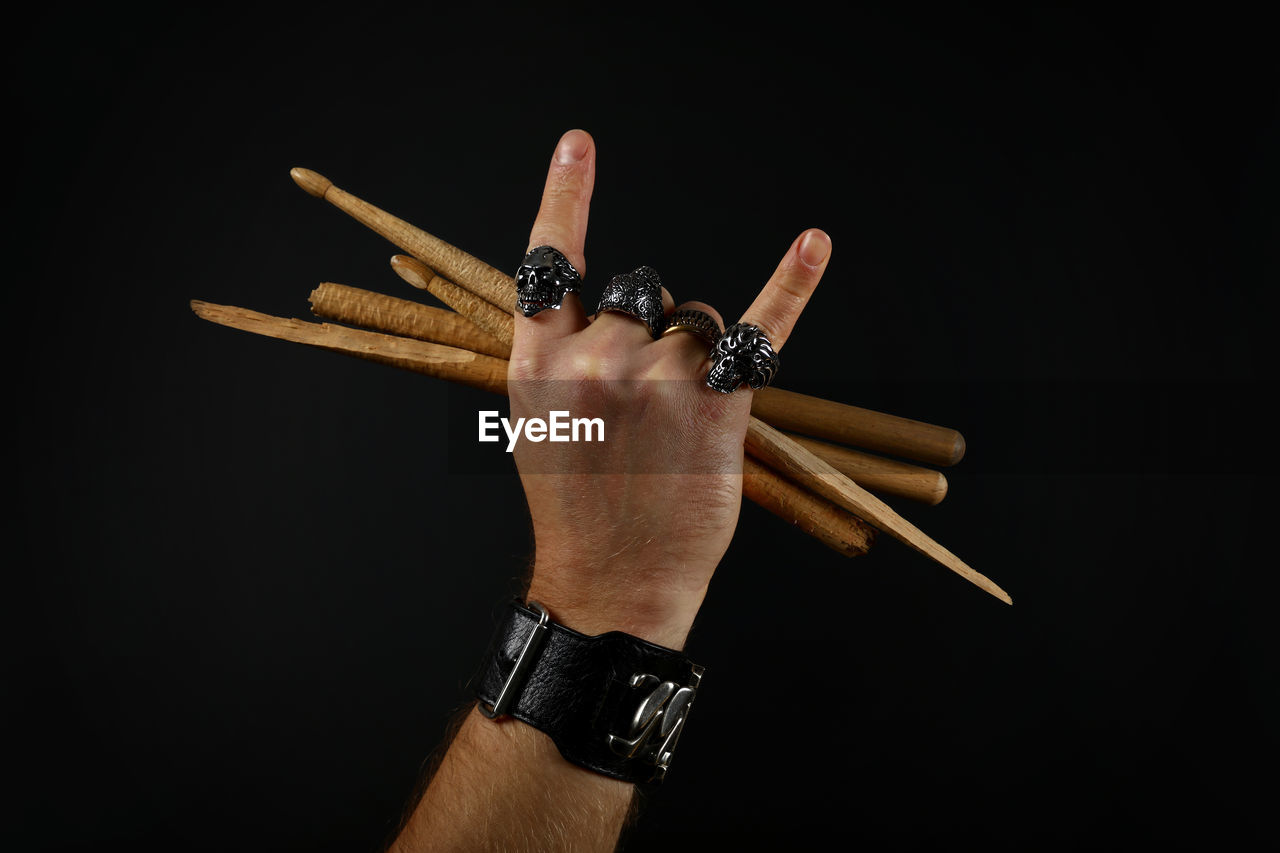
637 294
543 279
742 354
692 320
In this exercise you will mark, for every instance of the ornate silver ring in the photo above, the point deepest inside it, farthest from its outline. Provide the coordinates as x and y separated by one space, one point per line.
742 354
637 294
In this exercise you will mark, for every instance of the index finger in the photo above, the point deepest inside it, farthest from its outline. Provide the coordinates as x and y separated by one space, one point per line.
566 199
561 223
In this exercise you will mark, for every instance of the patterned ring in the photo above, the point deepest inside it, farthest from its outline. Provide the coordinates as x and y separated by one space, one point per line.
542 281
637 294
692 320
742 354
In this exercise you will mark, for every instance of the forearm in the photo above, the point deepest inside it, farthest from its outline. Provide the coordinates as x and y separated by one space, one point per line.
502 785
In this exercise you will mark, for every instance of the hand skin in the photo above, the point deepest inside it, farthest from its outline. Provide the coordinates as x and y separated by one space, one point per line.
625 542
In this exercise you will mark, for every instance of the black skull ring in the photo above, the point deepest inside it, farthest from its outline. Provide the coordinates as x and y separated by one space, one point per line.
543 279
742 354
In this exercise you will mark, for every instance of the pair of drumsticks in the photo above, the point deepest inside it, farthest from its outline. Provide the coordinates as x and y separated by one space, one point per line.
791 465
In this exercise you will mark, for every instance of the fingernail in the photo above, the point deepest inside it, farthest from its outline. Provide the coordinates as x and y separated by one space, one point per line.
814 248
573 147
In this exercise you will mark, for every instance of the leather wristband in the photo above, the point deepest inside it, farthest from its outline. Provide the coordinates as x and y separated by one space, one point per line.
612 703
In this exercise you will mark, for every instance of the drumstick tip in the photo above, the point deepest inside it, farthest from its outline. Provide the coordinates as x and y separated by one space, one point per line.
411 270
984 583
313 182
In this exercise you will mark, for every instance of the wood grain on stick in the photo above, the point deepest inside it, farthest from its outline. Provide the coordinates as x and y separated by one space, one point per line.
456 365
499 324
813 514
887 476
865 428
485 281
381 313
835 527
786 456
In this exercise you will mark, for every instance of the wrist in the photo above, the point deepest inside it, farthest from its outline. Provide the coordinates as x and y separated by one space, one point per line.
592 607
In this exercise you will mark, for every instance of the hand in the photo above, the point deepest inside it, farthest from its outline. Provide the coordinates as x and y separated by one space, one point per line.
629 532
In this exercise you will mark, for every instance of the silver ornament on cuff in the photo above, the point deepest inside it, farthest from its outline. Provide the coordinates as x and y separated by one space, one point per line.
742 354
639 294
543 279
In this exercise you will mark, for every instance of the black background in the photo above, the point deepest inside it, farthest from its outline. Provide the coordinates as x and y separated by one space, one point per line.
247 587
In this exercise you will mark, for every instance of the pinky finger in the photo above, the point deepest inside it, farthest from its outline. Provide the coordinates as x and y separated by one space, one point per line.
779 304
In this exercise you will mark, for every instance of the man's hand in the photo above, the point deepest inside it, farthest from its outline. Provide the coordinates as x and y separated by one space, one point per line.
629 533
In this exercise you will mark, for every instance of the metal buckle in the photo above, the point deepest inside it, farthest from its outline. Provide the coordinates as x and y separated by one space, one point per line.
658 721
515 679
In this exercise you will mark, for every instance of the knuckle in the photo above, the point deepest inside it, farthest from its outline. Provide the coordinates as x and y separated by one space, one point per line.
590 363
666 368
523 367
565 185
598 357
772 321
791 293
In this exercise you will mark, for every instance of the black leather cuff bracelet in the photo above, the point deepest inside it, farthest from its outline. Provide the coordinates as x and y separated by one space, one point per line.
612 703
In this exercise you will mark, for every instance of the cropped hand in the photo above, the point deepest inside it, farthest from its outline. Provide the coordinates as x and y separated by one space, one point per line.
629 531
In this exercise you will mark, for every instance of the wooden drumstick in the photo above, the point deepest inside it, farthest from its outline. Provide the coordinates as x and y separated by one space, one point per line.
496 322
887 476
832 525
443 362
381 313
781 453
845 424
453 263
